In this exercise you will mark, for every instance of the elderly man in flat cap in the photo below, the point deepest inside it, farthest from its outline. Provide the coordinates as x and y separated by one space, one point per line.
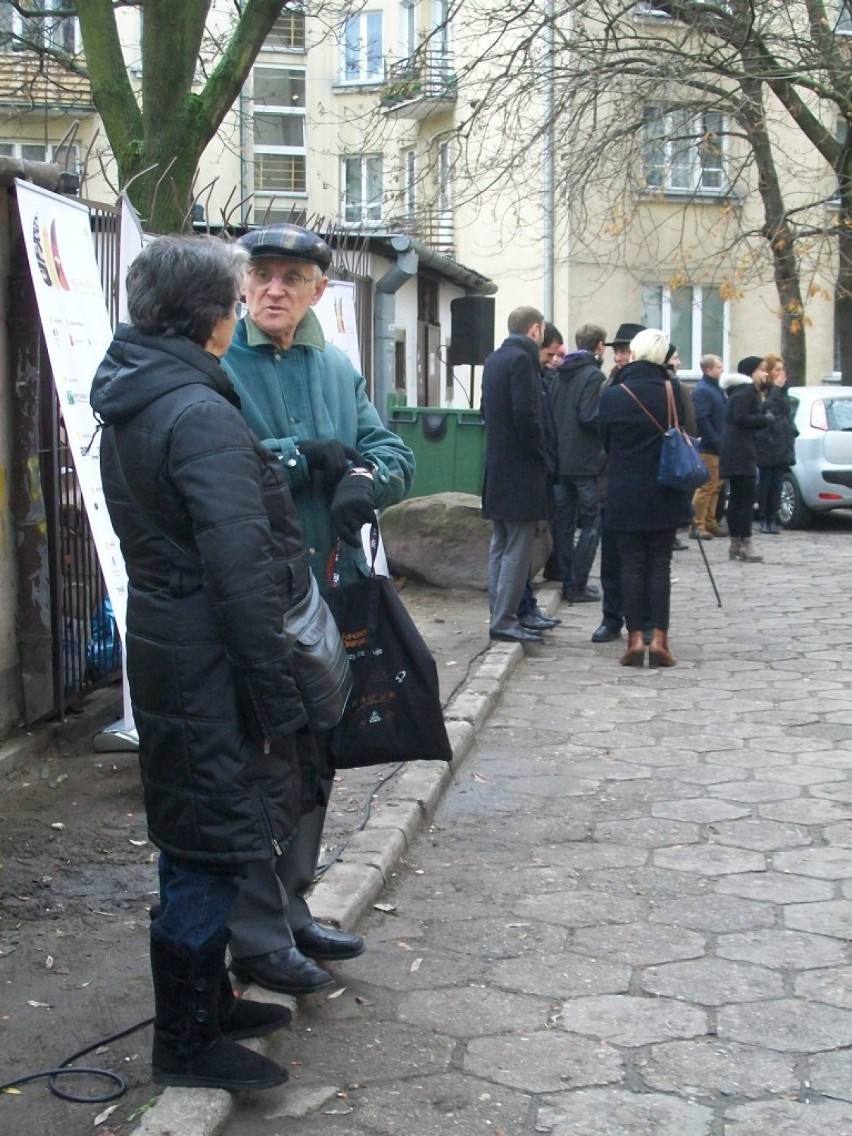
308 404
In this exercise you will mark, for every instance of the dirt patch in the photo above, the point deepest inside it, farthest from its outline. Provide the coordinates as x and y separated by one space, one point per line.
77 875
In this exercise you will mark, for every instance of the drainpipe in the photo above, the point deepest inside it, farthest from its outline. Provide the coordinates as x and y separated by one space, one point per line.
548 167
384 315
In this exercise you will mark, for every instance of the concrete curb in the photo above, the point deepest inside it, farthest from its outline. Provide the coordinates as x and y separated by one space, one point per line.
355 881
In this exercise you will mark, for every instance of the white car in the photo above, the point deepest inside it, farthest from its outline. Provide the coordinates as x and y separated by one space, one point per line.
821 479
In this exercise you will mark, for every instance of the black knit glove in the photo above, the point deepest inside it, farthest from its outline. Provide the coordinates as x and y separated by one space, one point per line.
352 507
327 458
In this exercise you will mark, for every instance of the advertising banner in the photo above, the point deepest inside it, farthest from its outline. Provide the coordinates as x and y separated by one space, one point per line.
77 331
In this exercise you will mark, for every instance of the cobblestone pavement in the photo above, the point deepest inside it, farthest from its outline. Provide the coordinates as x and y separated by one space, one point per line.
630 915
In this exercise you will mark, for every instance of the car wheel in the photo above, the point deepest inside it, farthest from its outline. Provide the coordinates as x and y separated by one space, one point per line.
792 511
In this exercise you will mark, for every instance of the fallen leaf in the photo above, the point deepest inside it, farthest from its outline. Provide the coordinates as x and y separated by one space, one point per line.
138 843
102 1116
39 1005
58 825
336 993
415 966
362 1001
337 1111
386 908
404 946
48 963
12 1092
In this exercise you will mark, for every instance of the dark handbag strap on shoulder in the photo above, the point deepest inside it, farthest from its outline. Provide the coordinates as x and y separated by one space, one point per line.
641 404
671 408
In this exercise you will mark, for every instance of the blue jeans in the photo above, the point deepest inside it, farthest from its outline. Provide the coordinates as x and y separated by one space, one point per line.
577 508
195 904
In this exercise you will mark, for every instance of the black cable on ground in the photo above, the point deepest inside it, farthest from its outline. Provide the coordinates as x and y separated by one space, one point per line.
64 1070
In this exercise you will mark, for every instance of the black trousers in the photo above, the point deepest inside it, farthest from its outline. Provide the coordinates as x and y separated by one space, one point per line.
741 505
646 577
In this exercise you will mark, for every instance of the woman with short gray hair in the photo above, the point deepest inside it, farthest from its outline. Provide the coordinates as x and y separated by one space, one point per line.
214 556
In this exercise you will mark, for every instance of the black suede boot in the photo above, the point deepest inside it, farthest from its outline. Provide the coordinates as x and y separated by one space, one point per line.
189 1047
242 1018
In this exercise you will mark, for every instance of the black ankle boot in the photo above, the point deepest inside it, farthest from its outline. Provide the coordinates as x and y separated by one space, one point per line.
241 1017
189 1047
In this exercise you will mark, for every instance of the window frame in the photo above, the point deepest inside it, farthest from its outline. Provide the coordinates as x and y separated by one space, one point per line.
272 150
50 37
370 211
697 346
369 69
695 129
296 17
48 151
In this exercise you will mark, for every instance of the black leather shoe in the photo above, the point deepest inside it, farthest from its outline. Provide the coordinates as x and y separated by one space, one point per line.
327 943
516 635
543 615
589 594
286 971
538 622
606 633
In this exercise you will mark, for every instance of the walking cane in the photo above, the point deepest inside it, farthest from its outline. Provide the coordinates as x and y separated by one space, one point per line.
700 544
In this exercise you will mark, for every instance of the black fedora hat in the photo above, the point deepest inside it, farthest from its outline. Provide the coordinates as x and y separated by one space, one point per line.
624 334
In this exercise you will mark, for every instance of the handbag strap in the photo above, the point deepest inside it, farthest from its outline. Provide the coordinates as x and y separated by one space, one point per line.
671 408
332 566
655 420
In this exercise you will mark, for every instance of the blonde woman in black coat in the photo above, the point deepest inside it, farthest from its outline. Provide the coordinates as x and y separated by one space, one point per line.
644 515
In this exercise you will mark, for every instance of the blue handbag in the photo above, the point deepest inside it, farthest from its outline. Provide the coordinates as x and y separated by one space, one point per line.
681 466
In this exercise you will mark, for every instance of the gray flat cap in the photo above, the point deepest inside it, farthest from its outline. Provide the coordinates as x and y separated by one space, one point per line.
287 241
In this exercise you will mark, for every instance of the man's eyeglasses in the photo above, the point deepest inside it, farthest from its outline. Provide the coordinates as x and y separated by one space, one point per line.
291 280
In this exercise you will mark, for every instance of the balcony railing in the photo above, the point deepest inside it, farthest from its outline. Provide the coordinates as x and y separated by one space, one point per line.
434 227
419 86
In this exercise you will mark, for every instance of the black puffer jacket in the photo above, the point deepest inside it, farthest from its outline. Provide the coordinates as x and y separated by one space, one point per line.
776 445
210 678
743 418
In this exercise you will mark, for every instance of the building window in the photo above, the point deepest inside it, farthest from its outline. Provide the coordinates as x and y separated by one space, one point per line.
409 187
408 28
363 189
69 159
693 317
278 123
20 33
362 48
684 151
287 33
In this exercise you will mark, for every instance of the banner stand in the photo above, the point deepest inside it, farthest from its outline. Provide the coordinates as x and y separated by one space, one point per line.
121 736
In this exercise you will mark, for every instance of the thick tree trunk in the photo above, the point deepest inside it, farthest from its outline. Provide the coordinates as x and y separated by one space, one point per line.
777 229
843 292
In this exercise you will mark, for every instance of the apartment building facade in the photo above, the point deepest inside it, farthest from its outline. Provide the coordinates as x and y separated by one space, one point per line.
354 117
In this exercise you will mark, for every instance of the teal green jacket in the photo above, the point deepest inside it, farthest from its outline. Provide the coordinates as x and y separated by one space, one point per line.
311 391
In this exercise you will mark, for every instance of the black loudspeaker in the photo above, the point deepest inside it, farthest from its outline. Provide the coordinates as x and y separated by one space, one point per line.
472 329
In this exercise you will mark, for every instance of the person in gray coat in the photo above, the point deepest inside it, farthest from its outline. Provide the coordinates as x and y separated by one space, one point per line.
514 493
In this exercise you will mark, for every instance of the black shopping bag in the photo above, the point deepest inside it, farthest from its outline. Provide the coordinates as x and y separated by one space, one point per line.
394 711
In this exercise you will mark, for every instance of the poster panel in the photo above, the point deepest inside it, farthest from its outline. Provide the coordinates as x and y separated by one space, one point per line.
336 312
77 331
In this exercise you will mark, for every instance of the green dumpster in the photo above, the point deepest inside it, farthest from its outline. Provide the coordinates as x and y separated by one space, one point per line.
449 446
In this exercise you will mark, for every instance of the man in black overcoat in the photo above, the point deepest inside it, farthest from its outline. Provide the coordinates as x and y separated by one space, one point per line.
514 496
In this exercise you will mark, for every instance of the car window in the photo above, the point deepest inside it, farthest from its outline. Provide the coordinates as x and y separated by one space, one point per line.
839 413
